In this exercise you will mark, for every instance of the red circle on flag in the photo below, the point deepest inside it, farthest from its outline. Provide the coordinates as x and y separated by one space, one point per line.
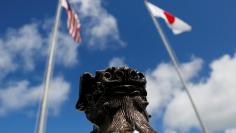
170 17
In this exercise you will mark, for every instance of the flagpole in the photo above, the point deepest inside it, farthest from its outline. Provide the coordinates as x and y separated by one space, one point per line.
176 66
43 109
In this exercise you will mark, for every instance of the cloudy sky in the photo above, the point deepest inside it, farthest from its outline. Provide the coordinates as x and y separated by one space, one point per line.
119 33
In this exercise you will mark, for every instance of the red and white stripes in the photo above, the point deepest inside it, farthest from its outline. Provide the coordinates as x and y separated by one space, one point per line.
73 22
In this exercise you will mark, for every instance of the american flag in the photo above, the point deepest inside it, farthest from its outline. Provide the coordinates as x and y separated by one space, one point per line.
73 22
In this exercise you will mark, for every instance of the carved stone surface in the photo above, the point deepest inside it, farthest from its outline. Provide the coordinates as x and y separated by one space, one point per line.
114 100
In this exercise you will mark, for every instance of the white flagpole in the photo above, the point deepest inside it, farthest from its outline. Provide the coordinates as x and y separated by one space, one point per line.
43 109
176 66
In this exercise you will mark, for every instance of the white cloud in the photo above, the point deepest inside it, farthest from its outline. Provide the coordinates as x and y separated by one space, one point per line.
117 62
25 47
215 98
20 95
230 131
19 48
6 64
213 95
66 52
163 83
101 28
170 131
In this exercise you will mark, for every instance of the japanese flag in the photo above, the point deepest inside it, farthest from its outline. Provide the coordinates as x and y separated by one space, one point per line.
176 25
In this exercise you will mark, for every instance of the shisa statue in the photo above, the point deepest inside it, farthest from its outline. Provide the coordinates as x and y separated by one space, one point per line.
114 100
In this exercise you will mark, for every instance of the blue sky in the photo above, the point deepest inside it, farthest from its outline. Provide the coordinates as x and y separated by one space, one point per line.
117 33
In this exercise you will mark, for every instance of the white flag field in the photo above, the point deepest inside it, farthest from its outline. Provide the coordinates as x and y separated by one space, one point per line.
177 25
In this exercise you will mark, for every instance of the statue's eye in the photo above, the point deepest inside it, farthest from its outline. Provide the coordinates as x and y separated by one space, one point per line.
141 76
107 75
133 75
119 74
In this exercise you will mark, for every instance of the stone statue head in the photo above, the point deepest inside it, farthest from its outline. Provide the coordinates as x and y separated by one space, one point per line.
114 100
